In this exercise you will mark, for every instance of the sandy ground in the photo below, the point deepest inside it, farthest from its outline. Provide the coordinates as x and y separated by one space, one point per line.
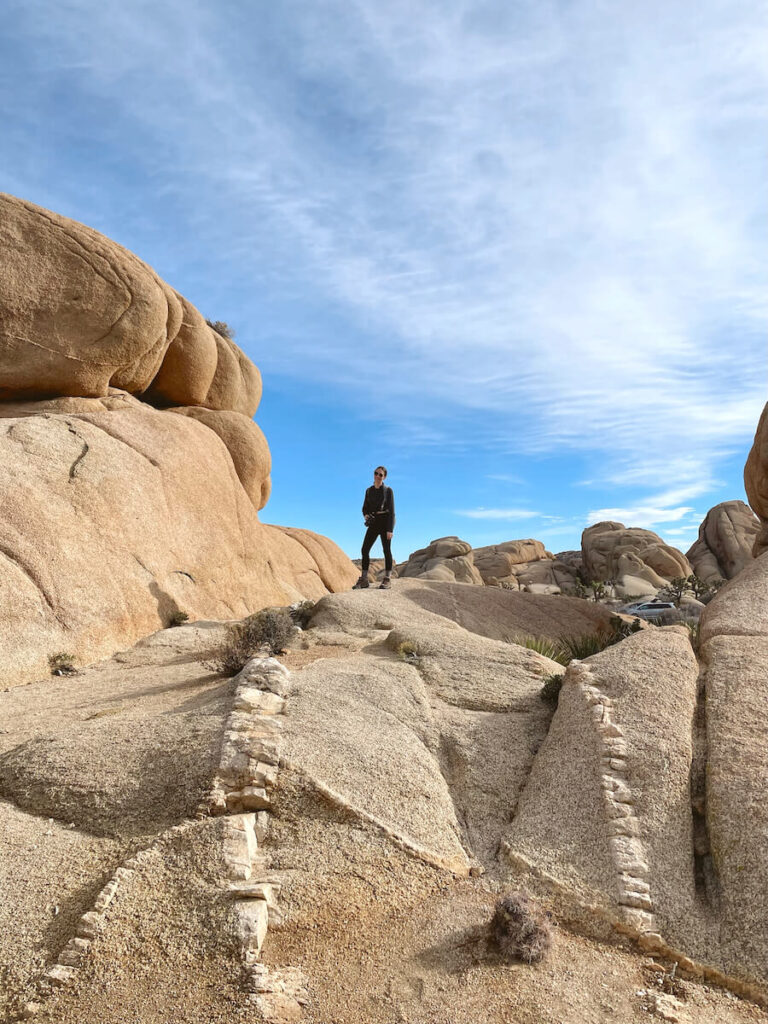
49 876
384 938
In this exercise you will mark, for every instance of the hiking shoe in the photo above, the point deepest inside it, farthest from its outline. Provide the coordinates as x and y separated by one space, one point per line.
385 584
362 583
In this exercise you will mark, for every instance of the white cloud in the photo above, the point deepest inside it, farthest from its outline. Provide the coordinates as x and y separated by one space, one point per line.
497 513
547 217
639 515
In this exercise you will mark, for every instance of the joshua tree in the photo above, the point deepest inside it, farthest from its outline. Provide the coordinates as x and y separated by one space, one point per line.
676 588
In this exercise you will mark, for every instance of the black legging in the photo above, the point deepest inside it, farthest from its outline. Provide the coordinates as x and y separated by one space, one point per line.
368 541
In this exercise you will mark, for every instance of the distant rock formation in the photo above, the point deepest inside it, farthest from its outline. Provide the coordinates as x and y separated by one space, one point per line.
637 559
447 558
131 471
726 538
756 481
523 564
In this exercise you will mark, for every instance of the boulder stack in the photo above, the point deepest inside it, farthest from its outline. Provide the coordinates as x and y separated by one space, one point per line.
726 539
131 471
638 560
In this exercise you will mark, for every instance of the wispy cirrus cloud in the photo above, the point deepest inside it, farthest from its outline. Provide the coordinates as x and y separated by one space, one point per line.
639 515
537 225
509 514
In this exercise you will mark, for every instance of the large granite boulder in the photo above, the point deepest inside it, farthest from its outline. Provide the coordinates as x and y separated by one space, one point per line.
523 565
447 558
80 314
725 542
612 551
756 481
500 560
131 471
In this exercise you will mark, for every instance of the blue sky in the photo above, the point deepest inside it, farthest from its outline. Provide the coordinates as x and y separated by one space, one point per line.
515 251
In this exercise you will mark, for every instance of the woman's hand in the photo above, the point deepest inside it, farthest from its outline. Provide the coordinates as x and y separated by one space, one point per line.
389 535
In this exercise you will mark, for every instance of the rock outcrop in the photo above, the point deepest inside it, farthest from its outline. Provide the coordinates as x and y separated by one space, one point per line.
131 471
523 564
725 542
81 314
631 556
447 558
514 564
756 481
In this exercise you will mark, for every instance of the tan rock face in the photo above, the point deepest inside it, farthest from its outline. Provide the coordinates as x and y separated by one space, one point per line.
735 654
80 314
612 551
117 513
448 559
499 560
756 481
726 539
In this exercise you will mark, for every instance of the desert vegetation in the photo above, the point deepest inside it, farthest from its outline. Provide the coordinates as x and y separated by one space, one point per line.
222 327
62 664
520 929
269 630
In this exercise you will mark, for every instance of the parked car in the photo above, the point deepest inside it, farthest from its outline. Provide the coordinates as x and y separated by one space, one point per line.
650 609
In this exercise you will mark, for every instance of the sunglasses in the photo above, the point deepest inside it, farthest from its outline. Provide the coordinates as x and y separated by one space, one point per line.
378 474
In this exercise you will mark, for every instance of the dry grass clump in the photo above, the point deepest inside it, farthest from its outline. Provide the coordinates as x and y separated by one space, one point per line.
408 651
222 327
178 618
62 664
521 929
301 613
269 630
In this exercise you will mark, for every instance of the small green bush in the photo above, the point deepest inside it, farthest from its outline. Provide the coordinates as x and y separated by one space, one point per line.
62 664
178 618
543 645
550 691
521 929
694 631
271 628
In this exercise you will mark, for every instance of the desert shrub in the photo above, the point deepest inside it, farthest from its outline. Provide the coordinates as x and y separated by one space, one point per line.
62 664
598 589
178 618
582 646
222 327
520 928
301 613
271 628
675 589
592 643
694 635
543 645
408 651
550 691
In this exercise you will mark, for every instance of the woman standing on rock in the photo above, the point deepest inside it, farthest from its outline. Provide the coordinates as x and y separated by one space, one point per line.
379 515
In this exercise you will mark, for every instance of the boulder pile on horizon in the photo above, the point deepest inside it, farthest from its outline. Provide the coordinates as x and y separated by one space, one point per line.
635 560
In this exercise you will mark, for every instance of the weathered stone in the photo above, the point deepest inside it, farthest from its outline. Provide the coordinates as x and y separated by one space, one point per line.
253 798
60 974
251 922
90 925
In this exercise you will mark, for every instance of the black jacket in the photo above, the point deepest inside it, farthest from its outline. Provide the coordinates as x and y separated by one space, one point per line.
380 503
